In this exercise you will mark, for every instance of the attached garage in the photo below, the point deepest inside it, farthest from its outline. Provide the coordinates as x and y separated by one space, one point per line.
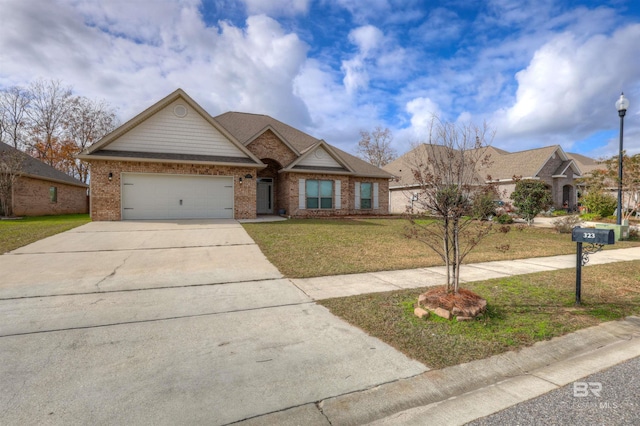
164 196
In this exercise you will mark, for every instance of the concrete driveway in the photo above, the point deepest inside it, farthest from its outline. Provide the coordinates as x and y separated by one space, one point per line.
169 323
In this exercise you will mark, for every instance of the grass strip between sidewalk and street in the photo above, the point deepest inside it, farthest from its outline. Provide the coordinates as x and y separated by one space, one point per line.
521 310
15 233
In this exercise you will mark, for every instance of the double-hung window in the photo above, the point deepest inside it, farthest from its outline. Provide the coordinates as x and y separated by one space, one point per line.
319 194
53 194
366 192
366 195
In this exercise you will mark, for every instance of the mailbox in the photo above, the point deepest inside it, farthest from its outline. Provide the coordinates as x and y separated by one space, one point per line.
593 235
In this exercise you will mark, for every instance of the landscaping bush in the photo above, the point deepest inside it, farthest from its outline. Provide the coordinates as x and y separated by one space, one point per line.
559 213
590 216
503 219
483 206
531 197
600 203
565 225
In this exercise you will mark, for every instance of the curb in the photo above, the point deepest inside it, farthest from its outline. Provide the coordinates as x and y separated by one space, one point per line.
465 392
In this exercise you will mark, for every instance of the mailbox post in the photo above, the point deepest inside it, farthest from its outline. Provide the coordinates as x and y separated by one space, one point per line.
596 240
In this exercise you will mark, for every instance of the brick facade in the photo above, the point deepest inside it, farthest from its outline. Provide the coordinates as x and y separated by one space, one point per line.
31 198
290 189
106 195
268 145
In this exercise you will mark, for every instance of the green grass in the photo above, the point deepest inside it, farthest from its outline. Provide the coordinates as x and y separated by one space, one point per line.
521 310
20 232
318 247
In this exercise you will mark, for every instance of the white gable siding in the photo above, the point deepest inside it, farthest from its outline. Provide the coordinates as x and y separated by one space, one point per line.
165 132
320 157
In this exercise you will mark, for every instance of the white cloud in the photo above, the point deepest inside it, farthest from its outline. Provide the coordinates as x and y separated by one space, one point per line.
368 38
572 83
130 59
422 111
277 7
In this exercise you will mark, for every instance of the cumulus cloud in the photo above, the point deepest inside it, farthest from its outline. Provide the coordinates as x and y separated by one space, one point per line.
368 38
422 111
571 83
133 58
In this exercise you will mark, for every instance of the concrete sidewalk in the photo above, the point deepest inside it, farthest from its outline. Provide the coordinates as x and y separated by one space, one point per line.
373 282
462 393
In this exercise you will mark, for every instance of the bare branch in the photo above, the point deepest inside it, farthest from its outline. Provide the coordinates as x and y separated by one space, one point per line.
375 147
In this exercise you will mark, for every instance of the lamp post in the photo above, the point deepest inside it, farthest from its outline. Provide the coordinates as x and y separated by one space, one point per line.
621 105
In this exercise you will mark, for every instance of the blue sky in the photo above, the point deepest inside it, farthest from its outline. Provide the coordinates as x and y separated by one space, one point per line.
539 72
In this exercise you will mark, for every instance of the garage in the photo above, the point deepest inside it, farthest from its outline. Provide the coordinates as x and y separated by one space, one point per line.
161 196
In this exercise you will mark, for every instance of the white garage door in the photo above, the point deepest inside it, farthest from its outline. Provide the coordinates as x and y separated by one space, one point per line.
154 196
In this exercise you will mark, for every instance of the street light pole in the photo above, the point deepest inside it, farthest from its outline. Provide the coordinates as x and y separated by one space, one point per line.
621 105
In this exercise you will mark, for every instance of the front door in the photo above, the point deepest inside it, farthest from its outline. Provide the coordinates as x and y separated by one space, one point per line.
265 196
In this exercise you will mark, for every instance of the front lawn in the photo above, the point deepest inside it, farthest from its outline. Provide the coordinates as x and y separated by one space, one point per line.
16 233
302 248
521 310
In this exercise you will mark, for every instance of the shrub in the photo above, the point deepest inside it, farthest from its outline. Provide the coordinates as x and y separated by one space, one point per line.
504 219
559 213
531 197
483 205
590 216
565 224
600 203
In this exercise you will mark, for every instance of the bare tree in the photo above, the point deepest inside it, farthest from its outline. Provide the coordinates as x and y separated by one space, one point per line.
375 147
11 168
86 123
14 103
49 107
446 172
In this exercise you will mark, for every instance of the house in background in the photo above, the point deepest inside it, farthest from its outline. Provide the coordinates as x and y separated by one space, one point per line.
549 164
43 190
175 161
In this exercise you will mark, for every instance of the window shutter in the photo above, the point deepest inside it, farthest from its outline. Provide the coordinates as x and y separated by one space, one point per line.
302 200
357 191
337 185
375 195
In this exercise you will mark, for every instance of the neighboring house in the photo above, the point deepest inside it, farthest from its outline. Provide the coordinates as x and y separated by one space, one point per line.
549 164
175 161
42 190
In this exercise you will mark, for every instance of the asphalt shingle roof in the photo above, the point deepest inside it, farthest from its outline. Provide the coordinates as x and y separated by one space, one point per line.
37 169
502 165
246 127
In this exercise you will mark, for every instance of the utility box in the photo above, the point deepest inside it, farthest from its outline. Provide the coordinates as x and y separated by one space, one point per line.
621 231
593 236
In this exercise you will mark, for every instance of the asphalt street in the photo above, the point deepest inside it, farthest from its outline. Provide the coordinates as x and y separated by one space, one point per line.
610 397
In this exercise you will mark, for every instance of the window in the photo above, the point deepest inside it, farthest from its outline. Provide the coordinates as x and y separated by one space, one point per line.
365 195
319 194
53 194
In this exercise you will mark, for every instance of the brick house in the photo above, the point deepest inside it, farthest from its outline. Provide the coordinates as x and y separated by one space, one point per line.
175 161
549 164
43 190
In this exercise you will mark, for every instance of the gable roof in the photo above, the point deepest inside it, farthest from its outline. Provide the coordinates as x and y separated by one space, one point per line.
402 167
100 149
321 145
246 127
502 165
34 168
586 164
528 164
